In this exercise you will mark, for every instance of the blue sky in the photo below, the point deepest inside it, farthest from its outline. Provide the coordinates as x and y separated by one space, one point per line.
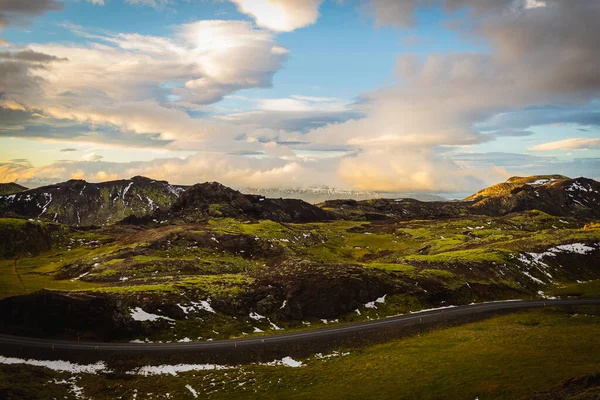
369 94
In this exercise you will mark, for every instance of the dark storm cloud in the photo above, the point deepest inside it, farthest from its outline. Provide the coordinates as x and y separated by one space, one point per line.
29 56
20 12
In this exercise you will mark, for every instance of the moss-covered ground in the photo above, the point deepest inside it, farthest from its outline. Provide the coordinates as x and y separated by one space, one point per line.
413 248
223 258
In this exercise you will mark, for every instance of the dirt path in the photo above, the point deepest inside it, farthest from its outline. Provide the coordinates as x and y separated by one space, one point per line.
16 270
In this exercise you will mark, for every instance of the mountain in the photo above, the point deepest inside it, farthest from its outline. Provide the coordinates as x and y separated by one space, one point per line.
323 193
10 188
80 203
212 199
553 194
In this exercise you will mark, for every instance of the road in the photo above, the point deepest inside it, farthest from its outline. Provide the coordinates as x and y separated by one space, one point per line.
293 337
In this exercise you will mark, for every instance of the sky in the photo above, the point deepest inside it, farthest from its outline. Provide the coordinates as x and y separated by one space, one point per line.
440 96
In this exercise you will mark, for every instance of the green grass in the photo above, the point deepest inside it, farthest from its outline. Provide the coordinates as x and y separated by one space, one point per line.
468 256
584 289
216 286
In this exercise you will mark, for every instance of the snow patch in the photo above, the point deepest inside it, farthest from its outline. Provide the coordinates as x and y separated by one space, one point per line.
256 316
578 248
203 305
533 278
285 361
58 365
431 309
191 389
173 370
140 315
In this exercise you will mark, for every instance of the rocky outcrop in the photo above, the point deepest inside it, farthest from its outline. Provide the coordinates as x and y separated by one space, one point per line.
321 290
55 314
19 237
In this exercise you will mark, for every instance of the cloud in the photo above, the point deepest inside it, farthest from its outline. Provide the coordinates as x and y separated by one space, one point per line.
541 57
232 170
136 84
148 3
569 144
281 15
91 157
18 73
296 113
29 56
505 165
21 12
67 150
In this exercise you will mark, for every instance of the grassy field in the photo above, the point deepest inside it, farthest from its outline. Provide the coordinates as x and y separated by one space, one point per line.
505 357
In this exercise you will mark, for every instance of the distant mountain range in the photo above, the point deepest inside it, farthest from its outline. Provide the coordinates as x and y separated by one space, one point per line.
323 193
311 195
143 200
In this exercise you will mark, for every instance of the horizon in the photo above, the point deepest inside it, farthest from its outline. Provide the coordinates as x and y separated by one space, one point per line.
422 196
440 97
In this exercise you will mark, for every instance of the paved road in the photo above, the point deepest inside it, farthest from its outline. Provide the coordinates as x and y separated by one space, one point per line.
295 337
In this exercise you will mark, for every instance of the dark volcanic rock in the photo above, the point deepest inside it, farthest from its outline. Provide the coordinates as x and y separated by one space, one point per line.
322 290
20 238
51 314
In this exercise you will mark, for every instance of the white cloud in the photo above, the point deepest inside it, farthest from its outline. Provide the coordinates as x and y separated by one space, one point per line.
569 144
149 3
534 4
302 103
231 170
281 15
402 143
91 157
146 84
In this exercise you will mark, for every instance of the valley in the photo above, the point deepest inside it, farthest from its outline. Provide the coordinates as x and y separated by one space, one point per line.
208 263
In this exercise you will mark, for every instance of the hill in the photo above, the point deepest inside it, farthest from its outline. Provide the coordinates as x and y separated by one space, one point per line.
555 195
212 200
81 203
552 194
10 188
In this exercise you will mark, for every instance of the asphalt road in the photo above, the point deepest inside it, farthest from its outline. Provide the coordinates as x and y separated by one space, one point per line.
292 337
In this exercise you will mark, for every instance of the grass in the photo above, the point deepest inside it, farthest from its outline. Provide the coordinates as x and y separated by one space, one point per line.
504 357
584 289
216 286
402 247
